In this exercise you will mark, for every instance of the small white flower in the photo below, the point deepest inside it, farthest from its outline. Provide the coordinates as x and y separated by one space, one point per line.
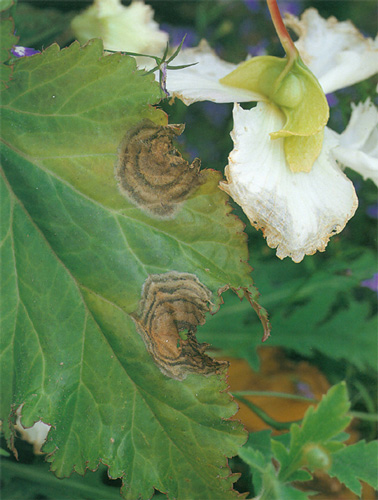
358 144
128 29
336 52
297 212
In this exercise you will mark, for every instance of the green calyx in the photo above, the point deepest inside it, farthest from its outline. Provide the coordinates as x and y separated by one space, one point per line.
291 86
316 458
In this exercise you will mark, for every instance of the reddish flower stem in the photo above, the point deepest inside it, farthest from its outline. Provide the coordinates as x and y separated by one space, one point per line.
283 35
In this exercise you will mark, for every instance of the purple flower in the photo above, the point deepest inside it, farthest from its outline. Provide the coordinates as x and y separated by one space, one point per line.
246 27
176 34
19 51
259 49
217 114
371 283
253 5
304 390
294 8
332 99
372 211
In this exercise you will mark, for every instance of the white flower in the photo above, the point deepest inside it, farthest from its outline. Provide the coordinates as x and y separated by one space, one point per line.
335 52
128 29
358 145
298 212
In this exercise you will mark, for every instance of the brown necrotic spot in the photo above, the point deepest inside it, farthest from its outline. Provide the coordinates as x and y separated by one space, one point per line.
172 306
151 172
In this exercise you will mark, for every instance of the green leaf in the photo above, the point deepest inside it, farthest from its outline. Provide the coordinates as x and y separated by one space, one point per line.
315 445
265 481
274 489
320 425
259 441
356 462
257 453
91 120
76 254
342 328
254 458
258 465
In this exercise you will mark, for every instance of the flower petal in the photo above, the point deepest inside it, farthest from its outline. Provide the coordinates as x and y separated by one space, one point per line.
336 52
201 82
297 212
128 29
20 51
358 144
371 283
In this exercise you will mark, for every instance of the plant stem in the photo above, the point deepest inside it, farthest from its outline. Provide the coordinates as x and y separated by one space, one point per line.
369 417
285 39
273 394
279 426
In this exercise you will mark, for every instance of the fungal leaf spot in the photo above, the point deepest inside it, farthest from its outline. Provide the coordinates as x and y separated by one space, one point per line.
173 303
151 172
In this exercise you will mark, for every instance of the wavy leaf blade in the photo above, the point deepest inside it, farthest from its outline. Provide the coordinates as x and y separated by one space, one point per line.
78 253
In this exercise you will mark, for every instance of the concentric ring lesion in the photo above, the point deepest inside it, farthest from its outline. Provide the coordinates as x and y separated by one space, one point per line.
173 303
151 172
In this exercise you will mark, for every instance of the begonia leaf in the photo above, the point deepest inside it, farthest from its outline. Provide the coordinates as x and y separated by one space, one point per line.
76 254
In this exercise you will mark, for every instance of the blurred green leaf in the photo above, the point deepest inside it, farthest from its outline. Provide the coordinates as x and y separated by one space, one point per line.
39 28
320 425
315 444
5 4
32 481
311 311
356 462
259 442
